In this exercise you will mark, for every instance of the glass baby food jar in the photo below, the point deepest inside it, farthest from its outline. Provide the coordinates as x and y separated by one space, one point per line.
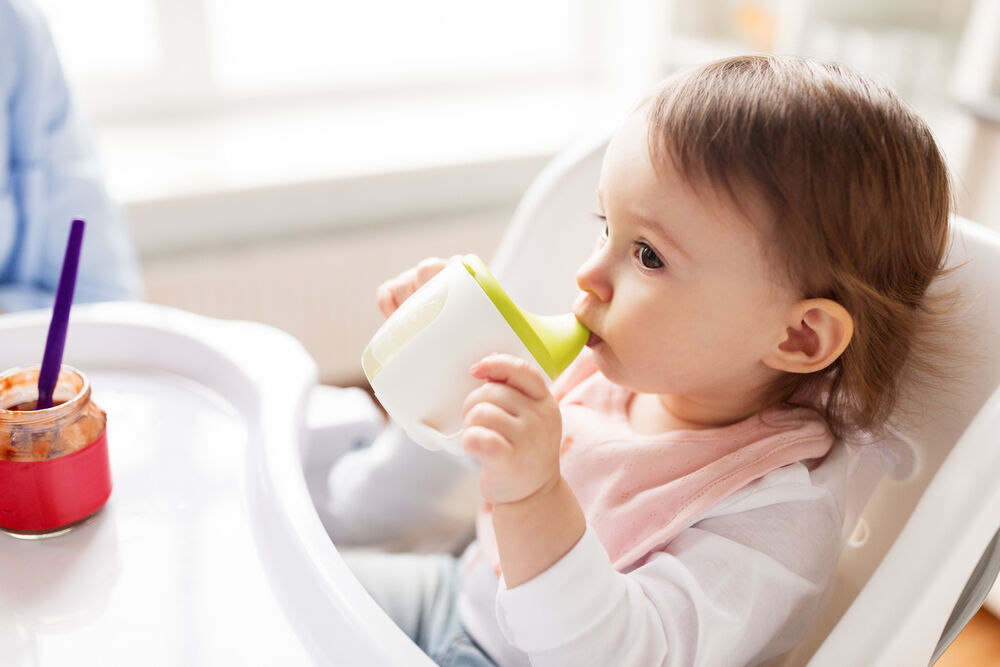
54 467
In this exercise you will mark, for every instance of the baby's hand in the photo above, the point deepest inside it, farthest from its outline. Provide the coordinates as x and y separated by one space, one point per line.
394 292
513 427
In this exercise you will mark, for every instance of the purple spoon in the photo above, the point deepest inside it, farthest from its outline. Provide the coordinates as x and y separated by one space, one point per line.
56 341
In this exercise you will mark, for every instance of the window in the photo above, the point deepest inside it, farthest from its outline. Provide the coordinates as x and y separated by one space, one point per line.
129 57
95 51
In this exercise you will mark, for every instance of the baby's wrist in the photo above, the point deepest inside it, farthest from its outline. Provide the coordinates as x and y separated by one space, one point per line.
536 531
538 496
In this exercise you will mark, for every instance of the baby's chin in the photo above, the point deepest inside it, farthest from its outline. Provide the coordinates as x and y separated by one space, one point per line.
611 366
636 379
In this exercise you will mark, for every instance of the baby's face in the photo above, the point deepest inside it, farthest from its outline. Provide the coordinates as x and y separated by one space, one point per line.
677 289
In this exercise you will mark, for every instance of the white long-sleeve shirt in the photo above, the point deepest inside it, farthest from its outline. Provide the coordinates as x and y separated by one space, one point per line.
716 595
737 587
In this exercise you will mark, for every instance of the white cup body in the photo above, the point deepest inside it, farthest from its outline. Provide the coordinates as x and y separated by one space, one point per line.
418 361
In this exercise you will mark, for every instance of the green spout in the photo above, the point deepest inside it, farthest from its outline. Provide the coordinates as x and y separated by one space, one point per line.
554 340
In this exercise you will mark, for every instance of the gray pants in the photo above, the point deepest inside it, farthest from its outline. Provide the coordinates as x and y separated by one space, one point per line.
420 593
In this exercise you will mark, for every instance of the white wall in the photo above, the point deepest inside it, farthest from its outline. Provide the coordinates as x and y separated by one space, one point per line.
319 287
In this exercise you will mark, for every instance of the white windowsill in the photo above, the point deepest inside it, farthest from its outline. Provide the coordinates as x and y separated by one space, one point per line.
252 175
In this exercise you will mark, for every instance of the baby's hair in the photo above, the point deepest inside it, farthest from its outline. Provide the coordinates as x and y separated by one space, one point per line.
858 197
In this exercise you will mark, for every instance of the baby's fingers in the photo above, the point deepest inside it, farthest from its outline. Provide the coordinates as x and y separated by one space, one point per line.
429 268
499 394
391 294
514 372
485 444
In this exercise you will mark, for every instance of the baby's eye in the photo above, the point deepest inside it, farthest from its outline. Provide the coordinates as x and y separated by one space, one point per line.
647 257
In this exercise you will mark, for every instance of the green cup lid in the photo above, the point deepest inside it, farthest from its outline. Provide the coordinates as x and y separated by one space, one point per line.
554 340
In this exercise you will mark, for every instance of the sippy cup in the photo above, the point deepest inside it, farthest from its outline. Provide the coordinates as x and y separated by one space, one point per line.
418 361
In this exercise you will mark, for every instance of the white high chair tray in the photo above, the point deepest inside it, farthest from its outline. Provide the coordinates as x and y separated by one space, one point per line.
209 551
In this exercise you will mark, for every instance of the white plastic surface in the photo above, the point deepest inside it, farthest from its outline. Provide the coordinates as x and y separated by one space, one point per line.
209 551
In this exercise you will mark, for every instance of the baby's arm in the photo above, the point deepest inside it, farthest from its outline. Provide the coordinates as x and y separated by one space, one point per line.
513 427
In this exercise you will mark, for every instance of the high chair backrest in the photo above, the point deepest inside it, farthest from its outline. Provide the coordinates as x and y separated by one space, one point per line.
552 231
919 538
895 592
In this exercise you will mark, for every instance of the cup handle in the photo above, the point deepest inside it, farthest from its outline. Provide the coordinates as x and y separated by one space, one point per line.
433 439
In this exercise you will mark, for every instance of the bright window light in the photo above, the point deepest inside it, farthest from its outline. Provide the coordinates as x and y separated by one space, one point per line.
135 57
259 46
105 41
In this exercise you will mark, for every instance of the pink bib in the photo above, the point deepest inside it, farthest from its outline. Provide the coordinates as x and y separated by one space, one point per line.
639 491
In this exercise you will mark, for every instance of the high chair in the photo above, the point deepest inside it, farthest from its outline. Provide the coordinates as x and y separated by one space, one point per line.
921 554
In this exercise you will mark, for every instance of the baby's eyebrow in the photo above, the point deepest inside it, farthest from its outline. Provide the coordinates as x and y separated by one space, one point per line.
655 225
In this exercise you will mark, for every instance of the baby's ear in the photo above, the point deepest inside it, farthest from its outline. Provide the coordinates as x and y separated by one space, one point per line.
818 331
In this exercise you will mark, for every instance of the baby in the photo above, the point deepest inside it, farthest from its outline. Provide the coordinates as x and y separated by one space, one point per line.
769 228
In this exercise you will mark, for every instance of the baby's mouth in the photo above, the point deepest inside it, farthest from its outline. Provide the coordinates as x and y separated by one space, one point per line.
581 312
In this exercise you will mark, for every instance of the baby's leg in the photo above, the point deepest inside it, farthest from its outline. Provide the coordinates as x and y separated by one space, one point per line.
420 593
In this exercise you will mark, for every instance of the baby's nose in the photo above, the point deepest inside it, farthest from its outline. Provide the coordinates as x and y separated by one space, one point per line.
594 278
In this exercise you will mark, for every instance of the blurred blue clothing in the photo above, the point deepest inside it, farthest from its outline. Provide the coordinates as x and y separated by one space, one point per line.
50 176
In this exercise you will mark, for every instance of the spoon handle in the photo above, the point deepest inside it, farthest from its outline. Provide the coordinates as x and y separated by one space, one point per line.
56 340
